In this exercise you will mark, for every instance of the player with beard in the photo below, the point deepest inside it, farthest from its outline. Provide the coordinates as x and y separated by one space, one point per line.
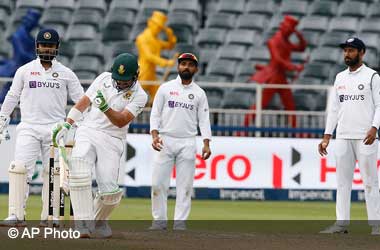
178 108
41 86
354 110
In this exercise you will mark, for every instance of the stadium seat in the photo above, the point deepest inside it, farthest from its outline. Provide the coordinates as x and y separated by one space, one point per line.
244 70
228 6
86 64
184 47
308 81
214 102
206 55
35 4
186 6
312 38
333 39
208 37
88 17
245 21
60 28
123 47
317 70
266 7
183 35
6 5
81 32
258 53
56 16
220 20
115 33
213 78
300 57
148 6
371 60
59 4
66 49
182 20
3 19
241 37
237 100
370 25
231 52
5 48
371 41
90 48
98 5
326 55
296 8
120 17
344 24
324 8
85 75
314 23
130 5
17 16
374 10
222 67
306 100
353 9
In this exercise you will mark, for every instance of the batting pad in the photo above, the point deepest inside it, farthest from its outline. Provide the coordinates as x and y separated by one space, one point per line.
17 188
105 203
80 189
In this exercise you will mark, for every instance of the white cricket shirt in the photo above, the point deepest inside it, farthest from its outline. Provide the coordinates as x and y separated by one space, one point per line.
134 100
354 103
42 93
178 109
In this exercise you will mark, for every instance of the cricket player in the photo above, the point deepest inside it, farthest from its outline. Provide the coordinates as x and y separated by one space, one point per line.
179 107
41 86
354 109
115 98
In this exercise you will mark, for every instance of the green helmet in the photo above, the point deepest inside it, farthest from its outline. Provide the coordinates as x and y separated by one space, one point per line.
125 67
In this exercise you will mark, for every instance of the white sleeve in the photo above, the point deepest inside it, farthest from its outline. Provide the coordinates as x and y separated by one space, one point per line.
138 103
94 87
75 89
13 96
204 118
155 114
332 112
376 99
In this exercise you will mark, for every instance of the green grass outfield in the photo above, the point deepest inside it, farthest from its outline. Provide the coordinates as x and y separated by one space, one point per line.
139 209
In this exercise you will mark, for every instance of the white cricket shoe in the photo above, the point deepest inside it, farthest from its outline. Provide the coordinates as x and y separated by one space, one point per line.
375 230
12 221
179 225
102 230
158 226
335 229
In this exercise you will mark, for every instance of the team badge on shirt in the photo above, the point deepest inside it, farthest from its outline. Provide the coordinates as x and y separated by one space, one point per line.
191 96
121 69
55 74
128 95
361 86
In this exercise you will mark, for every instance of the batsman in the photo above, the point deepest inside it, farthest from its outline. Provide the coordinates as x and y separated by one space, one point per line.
115 99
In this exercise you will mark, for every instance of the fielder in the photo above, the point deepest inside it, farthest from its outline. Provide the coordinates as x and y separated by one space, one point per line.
179 107
41 86
116 99
354 109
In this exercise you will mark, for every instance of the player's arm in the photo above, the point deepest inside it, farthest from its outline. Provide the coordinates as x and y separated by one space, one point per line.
372 132
74 87
204 126
155 119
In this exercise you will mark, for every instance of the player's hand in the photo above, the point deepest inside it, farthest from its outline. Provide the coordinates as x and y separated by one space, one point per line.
371 136
157 143
323 146
206 152
59 132
100 102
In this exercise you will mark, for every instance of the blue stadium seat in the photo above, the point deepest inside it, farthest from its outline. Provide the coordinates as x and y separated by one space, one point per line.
245 21
228 6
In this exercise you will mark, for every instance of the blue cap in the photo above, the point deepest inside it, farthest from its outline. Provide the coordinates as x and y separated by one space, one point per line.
47 36
353 42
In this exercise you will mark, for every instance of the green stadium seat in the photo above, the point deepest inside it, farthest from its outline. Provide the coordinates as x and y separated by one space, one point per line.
3 19
371 41
148 6
353 9
186 6
214 102
312 38
324 8
115 33
308 81
130 5
374 10
232 7
98 5
66 49
123 47
244 71
261 7
182 20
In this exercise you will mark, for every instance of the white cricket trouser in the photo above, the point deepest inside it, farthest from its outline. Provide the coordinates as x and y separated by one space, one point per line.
32 141
347 152
102 151
182 153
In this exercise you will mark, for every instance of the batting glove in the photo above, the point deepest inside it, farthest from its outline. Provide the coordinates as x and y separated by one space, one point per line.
101 102
60 131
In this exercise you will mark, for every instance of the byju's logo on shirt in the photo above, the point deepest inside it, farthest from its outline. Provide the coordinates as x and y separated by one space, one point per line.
35 84
174 104
343 98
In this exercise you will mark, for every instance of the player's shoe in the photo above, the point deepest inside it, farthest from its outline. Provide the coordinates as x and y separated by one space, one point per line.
158 226
85 228
375 230
179 225
102 230
46 223
335 229
12 221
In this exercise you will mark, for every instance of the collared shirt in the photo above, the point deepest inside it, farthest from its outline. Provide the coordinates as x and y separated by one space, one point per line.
42 93
178 109
134 100
354 105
